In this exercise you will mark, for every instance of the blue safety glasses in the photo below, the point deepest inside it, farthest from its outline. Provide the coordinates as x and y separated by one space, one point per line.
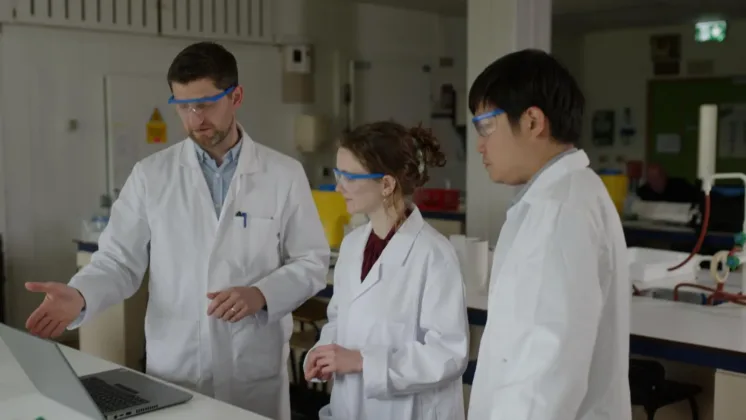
199 104
486 123
343 176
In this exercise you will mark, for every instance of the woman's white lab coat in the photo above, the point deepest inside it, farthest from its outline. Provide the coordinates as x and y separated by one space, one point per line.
278 246
408 319
556 343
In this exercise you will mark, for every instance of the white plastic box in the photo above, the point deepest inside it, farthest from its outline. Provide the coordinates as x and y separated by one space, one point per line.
647 265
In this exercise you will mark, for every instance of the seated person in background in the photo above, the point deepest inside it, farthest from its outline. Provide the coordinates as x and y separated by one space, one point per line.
659 187
397 340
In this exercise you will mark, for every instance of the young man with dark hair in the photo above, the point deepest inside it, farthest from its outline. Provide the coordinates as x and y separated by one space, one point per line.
556 343
232 240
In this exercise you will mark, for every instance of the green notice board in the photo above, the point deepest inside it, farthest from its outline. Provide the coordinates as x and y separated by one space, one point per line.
673 118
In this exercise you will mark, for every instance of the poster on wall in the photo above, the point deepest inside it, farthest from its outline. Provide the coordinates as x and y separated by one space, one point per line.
732 130
668 143
603 128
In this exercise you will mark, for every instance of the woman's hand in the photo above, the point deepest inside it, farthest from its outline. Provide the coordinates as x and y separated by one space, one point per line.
312 370
323 361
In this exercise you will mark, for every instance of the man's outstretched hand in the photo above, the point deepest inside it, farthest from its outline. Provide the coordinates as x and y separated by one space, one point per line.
61 306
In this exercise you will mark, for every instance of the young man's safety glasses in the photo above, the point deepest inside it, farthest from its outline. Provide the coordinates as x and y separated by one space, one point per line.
486 123
198 105
343 176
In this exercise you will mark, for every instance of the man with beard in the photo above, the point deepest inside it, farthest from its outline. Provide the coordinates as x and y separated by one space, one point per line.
233 243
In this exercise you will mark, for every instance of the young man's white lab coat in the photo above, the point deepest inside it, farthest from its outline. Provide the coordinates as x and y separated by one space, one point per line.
556 343
278 246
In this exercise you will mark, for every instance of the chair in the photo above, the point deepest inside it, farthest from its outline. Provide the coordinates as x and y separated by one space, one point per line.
309 314
306 402
650 389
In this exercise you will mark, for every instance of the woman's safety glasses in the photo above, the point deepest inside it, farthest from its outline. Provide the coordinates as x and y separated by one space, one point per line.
486 123
347 177
198 105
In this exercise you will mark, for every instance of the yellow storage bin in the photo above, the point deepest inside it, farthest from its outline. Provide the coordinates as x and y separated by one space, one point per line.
617 185
333 213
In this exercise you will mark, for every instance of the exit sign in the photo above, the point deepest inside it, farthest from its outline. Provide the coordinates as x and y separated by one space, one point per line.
712 31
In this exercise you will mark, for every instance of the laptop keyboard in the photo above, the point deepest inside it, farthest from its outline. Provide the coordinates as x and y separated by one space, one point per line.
109 398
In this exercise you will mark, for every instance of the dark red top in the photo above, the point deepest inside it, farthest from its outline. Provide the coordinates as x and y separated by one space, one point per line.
374 248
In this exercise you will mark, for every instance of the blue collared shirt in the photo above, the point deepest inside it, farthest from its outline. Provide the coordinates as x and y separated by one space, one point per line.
219 177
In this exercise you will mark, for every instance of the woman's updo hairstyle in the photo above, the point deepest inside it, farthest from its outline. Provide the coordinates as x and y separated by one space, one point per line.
390 148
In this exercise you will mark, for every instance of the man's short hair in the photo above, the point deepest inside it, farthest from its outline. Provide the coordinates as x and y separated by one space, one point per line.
204 60
532 78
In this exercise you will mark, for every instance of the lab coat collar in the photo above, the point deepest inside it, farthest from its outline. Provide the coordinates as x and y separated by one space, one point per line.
569 163
394 255
248 161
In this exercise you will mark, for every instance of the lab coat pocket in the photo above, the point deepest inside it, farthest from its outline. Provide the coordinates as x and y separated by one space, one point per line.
387 333
255 245
257 349
172 347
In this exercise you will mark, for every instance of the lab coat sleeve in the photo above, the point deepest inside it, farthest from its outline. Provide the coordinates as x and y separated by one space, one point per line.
442 355
305 254
543 363
116 269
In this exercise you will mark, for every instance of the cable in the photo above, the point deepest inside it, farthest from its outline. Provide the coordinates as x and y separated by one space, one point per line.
717 294
702 235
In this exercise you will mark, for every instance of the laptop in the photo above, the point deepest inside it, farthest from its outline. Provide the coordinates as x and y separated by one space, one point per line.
114 394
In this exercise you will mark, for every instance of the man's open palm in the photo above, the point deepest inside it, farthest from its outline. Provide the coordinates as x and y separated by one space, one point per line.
61 305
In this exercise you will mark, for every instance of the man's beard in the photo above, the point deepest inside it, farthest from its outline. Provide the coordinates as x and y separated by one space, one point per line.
217 138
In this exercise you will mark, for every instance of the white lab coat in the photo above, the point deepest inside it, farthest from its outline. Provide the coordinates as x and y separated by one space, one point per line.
556 343
165 206
408 319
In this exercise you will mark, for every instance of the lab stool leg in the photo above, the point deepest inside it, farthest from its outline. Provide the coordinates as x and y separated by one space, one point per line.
694 407
293 366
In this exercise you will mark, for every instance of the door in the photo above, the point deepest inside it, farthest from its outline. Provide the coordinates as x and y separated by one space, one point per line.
131 101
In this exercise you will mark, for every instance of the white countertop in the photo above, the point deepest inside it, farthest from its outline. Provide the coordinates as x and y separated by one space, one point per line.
721 327
19 400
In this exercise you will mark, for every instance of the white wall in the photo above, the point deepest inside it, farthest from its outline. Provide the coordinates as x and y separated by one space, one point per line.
616 66
52 178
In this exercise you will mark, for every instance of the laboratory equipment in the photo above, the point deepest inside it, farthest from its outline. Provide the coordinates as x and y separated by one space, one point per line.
616 183
92 228
729 260
437 199
333 213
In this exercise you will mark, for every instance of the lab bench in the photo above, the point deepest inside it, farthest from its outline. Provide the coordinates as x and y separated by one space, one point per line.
19 399
640 233
446 222
711 338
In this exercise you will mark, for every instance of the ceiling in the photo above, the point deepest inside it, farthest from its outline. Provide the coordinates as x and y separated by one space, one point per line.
593 15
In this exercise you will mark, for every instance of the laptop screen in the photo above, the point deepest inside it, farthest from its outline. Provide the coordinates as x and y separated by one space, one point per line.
49 370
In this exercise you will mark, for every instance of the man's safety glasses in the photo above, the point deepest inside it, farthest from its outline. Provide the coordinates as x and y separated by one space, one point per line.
486 123
344 177
198 105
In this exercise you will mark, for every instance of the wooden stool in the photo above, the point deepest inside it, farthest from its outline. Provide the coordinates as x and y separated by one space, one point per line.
310 314
306 401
